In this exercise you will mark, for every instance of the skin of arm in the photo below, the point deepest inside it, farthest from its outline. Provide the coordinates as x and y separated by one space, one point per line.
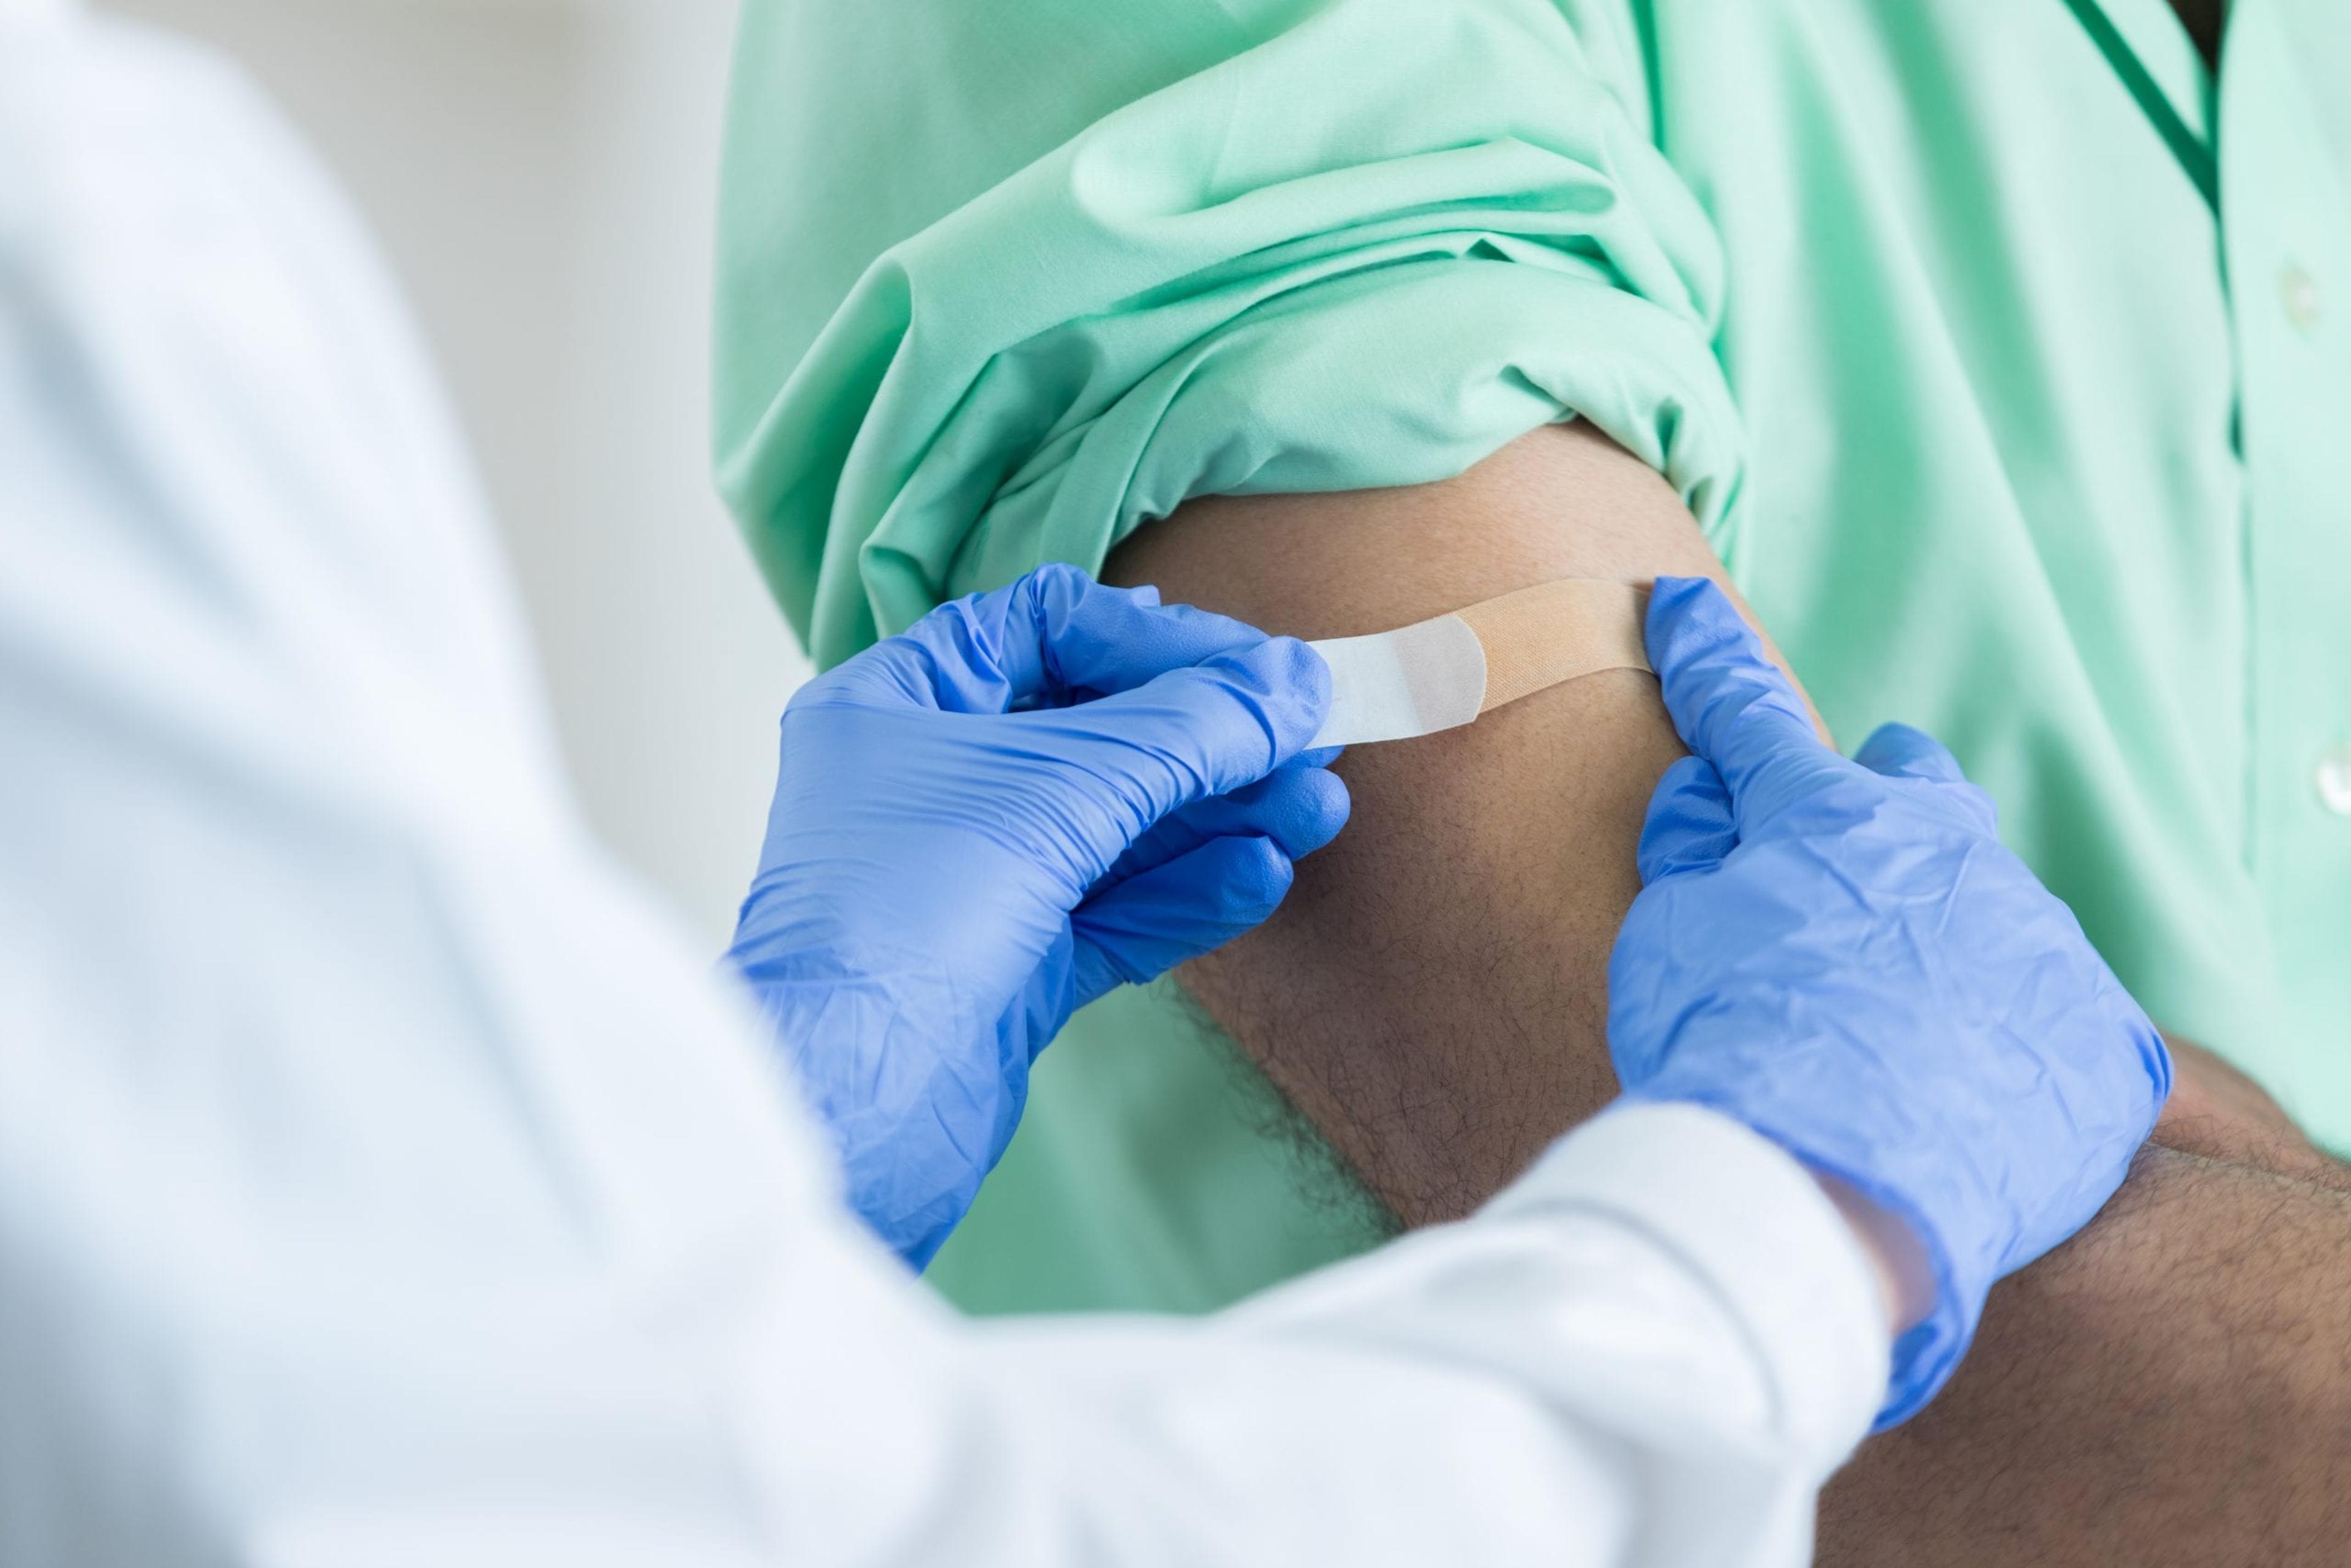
2169 1387
1432 994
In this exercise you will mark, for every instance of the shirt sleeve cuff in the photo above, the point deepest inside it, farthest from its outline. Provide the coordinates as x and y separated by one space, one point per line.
1752 1222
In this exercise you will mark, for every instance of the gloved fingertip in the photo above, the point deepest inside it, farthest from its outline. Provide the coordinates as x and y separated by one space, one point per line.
1320 756
1696 641
1728 702
1311 682
1900 751
1676 604
1059 577
1669 595
1324 806
1041 602
1286 685
1145 594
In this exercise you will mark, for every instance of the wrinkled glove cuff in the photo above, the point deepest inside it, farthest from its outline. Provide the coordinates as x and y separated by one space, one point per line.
1926 1355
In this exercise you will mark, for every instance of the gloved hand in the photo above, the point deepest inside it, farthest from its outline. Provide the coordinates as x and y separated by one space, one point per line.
1843 955
985 823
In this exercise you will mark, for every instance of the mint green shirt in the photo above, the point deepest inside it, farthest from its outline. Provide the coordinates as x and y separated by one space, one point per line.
2003 354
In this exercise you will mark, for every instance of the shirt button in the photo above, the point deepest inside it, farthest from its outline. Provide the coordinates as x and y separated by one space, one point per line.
2335 780
2299 292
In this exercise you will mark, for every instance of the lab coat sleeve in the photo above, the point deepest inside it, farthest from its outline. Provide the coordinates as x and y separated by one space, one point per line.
1653 1349
1000 283
382 1181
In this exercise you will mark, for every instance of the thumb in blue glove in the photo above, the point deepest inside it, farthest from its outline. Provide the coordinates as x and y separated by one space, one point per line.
1028 797
1843 955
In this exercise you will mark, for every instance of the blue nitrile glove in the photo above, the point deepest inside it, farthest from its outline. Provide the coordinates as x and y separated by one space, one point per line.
981 825
1843 956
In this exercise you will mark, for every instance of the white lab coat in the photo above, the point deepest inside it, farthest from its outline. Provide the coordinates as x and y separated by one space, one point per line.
382 1179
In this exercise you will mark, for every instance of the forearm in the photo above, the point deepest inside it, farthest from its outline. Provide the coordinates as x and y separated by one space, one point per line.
2172 1386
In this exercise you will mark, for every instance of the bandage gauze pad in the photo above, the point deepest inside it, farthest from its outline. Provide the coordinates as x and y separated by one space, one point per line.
1441 673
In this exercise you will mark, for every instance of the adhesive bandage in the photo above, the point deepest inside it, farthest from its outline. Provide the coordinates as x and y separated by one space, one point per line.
1439 673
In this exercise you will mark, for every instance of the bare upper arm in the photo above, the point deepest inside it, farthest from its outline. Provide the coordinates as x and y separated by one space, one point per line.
1433 993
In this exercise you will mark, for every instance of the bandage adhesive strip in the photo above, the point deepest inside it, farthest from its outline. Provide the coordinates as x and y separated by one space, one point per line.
1444 672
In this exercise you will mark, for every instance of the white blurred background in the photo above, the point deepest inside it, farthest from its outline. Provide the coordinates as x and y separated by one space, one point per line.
542 174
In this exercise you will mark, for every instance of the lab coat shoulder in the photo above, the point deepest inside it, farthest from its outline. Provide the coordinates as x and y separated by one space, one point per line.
195 302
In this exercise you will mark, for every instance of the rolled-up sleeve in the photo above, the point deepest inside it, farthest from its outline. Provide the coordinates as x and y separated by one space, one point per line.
999 284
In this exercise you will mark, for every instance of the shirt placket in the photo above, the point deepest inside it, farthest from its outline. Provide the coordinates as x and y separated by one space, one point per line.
2286 238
